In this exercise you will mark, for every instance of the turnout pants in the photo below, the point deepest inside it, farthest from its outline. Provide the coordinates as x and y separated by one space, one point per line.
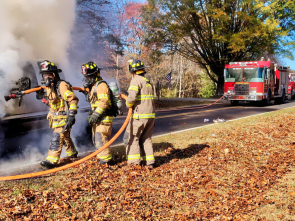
100 134
138 137
58 140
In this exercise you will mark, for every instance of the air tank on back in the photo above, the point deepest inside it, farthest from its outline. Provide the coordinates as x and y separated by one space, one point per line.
114 88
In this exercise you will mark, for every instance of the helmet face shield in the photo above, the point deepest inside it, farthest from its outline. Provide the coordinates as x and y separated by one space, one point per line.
48 82
48 75
88 81
48 78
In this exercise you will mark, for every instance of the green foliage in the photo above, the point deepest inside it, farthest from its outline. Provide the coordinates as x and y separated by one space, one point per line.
208 86
17 192
213 33
168 93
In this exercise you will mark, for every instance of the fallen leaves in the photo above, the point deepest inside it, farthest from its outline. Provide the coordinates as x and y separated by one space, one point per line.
224 177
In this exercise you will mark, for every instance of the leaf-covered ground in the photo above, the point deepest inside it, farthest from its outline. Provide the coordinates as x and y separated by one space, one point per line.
240 170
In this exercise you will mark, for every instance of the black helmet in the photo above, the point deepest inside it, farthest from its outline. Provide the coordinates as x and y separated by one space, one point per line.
91 70
136 65
48 67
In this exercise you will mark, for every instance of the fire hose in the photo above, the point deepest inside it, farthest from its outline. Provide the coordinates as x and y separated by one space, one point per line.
46 172
189 108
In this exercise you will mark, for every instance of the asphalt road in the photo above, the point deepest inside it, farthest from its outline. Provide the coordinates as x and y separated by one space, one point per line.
35 135
181 119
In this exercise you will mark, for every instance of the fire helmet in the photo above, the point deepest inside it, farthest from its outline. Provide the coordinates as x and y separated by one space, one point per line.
48 68
136 65
90 72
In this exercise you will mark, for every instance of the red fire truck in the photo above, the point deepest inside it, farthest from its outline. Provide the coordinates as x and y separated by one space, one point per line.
255 81
291 86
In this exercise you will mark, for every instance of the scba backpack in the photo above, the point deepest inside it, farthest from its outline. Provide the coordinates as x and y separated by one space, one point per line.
116 103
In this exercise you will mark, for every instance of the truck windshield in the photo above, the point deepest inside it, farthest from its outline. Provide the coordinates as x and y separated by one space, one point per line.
244 74
233 74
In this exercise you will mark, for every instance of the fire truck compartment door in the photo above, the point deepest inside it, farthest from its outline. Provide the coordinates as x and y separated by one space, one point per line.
283 80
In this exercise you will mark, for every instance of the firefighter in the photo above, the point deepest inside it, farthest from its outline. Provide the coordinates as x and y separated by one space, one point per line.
59 96
140 128
100 117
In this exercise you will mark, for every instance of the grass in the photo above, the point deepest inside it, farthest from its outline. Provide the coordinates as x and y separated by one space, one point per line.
282 195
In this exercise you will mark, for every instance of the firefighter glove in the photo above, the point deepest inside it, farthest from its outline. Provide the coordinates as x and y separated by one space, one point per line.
40 94
93 119
86 93
71 118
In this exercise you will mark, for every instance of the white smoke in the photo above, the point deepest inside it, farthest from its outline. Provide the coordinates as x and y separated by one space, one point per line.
32 30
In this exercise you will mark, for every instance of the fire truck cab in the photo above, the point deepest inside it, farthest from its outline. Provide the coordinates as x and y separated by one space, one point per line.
260 81
291 86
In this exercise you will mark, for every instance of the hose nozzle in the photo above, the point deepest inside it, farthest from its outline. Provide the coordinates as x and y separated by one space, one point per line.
7 98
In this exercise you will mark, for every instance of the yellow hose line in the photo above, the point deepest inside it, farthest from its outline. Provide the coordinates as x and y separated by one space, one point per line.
46 172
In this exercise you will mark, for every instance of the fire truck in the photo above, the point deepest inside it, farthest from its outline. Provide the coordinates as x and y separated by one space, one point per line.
260 81
291 86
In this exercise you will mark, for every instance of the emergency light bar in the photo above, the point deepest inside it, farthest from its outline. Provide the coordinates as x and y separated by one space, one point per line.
241 63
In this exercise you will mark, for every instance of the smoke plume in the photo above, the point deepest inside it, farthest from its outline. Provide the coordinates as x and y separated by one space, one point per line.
31 30
34 30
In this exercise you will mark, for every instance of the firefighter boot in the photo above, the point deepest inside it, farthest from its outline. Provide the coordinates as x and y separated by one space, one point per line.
47 164
151 166
102 162
74 156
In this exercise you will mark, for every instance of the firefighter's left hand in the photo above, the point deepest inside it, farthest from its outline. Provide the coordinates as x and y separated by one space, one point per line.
86 93
71 118
93 119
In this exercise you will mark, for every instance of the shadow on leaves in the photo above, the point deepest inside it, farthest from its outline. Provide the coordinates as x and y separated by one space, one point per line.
173 153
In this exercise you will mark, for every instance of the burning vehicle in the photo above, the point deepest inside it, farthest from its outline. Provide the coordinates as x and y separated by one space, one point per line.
25 120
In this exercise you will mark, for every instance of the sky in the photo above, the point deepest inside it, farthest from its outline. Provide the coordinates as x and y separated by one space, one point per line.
289 62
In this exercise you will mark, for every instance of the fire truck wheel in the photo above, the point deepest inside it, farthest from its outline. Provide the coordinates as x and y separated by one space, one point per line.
234 102
292 95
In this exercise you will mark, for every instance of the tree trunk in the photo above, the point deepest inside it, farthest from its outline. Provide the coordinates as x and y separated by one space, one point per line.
180 78
117 75
220 86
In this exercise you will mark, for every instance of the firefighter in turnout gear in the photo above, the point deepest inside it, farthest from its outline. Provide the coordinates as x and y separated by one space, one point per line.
100 101
140 128
62 101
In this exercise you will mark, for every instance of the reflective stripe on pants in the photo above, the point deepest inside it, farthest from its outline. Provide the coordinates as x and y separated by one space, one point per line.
100 134
139 133
57 143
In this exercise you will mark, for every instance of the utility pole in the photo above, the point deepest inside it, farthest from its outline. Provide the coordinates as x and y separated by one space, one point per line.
117 76
180 77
